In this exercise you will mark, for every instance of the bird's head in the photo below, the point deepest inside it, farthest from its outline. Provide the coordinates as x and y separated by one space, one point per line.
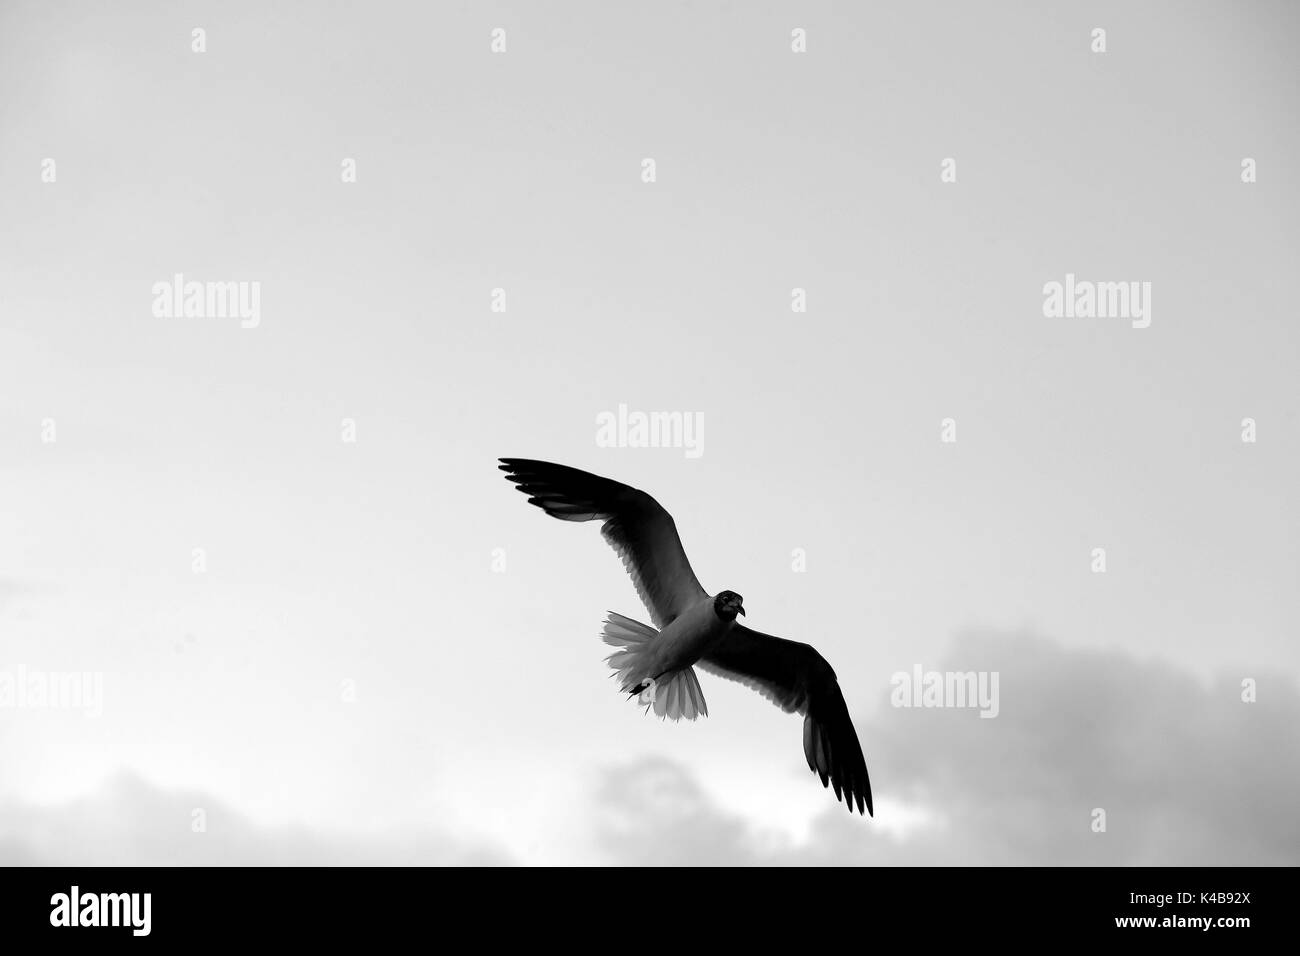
728 604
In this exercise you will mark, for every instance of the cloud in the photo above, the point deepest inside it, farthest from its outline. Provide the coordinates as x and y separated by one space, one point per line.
1186 772
129 822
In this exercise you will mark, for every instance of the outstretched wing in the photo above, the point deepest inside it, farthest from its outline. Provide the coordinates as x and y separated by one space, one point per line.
798 680
636 526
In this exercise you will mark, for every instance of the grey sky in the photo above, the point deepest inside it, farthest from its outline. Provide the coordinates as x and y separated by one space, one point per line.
482 707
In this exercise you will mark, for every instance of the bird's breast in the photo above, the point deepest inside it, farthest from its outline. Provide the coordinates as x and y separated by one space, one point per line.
691 636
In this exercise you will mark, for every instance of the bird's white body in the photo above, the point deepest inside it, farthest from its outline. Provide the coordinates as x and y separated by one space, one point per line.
659 671
689 637
656 665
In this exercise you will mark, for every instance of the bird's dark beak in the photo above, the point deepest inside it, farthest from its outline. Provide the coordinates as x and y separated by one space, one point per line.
740 610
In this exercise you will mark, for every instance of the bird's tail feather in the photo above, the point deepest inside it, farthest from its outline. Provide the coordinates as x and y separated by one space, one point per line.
633 639
674 694
677 694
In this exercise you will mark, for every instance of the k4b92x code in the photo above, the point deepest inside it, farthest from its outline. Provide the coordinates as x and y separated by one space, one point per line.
1225 897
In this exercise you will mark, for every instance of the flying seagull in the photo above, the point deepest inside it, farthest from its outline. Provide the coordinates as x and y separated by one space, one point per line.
693 627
